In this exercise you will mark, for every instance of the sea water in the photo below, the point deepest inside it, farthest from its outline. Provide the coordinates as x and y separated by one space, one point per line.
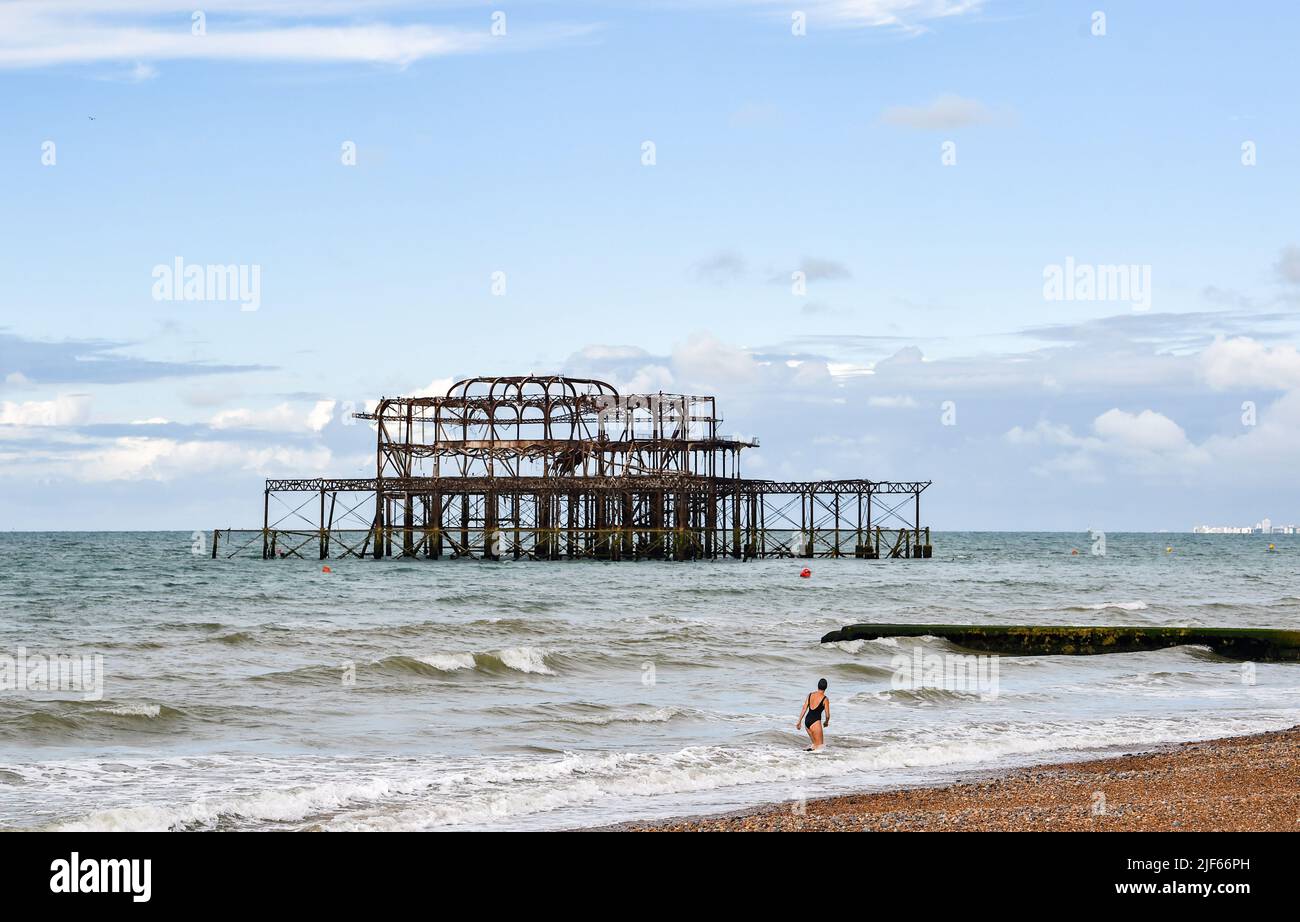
250 694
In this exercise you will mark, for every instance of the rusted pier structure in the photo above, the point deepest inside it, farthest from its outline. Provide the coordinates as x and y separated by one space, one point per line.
556 468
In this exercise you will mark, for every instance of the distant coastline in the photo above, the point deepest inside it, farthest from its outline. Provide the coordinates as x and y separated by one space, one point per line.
1263 527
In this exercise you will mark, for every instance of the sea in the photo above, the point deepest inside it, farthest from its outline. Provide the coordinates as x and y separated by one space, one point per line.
243 694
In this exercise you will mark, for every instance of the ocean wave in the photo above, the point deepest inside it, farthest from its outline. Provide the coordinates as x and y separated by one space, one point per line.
489 626
602 781
656 716
134 710
525 659
1138 605
875 643
190 625
316 674
270 806
857 670
849 646
925 695
530 660
426 794
65 720
448 662
39 724
236 639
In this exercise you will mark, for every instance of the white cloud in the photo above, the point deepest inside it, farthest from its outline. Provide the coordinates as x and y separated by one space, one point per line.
1288 265
1145 431
599 353
166 459
320 415
1044 433
435 388
1146 442
907 15
65 410
41 33
898 402
647 380
849 369
142 72
705 361
1265 451
1242 362
946 113
374 44
280 418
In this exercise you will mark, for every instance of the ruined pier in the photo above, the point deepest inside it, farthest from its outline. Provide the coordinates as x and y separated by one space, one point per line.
554 468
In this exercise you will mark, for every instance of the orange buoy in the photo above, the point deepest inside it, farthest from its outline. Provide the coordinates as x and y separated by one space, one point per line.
326 570
805 573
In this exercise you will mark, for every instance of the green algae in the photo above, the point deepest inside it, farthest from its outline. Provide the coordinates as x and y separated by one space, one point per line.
1260 644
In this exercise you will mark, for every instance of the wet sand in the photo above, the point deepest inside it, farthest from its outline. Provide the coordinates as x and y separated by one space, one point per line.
1241 783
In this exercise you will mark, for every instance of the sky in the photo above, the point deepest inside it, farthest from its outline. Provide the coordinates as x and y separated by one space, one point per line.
1043 255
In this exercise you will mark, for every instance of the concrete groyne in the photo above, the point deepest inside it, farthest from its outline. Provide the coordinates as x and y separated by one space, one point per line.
1262 644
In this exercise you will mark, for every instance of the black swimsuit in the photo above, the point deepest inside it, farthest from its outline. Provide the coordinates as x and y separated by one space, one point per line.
814 713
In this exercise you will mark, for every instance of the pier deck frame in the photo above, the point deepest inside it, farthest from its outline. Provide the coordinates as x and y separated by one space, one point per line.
572 518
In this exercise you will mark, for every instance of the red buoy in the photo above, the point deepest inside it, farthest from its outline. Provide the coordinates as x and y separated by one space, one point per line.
805 573
326 570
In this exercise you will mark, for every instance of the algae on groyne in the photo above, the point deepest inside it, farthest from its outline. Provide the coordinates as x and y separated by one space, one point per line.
1048 640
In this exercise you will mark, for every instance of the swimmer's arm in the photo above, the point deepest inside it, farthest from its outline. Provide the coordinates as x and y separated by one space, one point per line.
827 721
798 721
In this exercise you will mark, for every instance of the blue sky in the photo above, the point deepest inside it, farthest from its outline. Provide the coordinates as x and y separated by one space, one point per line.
774 153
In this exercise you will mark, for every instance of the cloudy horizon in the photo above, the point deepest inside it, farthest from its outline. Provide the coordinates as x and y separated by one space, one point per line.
1044 262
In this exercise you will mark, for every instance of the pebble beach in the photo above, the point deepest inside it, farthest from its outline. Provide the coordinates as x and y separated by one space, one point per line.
1248 783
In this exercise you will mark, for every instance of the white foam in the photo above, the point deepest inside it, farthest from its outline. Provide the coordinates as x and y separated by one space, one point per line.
132 710
850 646
1139 605
448 662
275 806
509 793
658 715
429 793
525 659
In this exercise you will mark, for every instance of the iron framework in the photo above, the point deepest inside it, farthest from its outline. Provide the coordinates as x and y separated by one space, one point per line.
562 468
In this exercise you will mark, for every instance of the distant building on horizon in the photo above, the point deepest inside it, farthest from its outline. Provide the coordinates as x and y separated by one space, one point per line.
1263 527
